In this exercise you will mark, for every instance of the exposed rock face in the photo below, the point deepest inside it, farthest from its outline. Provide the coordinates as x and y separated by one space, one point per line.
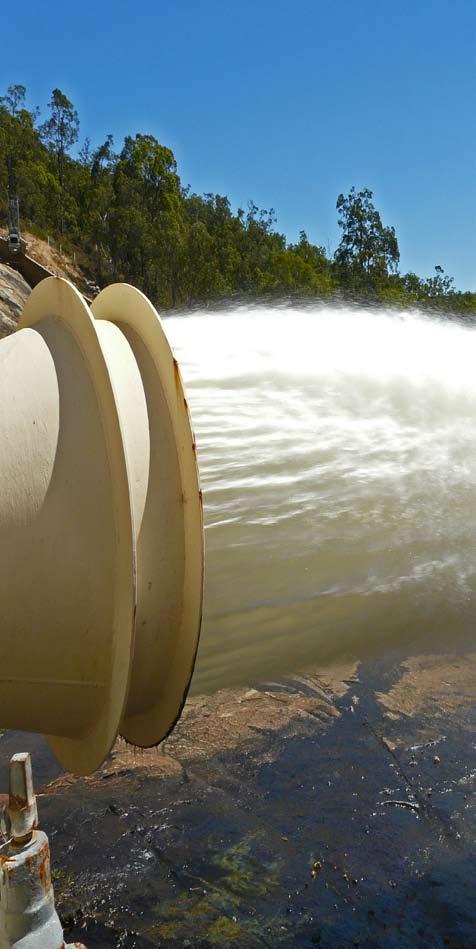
13 293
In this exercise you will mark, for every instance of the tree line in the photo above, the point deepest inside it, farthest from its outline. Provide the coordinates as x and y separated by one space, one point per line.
128 217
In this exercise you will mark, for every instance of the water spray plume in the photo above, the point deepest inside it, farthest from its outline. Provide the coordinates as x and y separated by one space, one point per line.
337 460
336 450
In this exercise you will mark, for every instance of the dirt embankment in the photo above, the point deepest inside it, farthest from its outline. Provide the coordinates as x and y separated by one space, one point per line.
14 289
57 263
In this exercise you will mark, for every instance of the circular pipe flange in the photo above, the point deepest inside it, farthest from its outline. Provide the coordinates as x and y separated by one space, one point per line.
108 566
170 552
101 528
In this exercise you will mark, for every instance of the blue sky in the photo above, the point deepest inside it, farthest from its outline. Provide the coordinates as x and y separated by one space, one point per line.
286 103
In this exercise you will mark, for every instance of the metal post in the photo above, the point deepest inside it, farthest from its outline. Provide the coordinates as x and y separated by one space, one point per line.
28 919
14 237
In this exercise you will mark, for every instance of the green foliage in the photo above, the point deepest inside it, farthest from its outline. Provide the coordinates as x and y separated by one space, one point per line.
128 216
18 141
368 251
440 285
61 130
59 133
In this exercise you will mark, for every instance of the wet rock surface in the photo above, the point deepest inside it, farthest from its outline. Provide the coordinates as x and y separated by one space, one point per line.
335 809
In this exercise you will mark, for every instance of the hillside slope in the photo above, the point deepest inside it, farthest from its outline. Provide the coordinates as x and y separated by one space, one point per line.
14 289
59 264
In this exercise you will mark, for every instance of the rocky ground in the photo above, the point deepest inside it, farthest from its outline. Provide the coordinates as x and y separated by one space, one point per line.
333 809
13 293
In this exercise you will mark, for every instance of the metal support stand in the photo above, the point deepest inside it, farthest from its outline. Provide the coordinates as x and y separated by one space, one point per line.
15 242
28 919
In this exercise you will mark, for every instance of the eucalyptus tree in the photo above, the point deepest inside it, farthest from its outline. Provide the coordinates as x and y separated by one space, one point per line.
367 249
59 133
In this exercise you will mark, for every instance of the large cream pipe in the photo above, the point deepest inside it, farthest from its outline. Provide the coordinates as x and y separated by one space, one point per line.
101 554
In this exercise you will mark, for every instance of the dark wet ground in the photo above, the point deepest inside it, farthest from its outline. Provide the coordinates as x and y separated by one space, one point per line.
334 830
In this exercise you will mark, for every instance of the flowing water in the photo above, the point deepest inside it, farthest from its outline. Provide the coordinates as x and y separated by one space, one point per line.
338 464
